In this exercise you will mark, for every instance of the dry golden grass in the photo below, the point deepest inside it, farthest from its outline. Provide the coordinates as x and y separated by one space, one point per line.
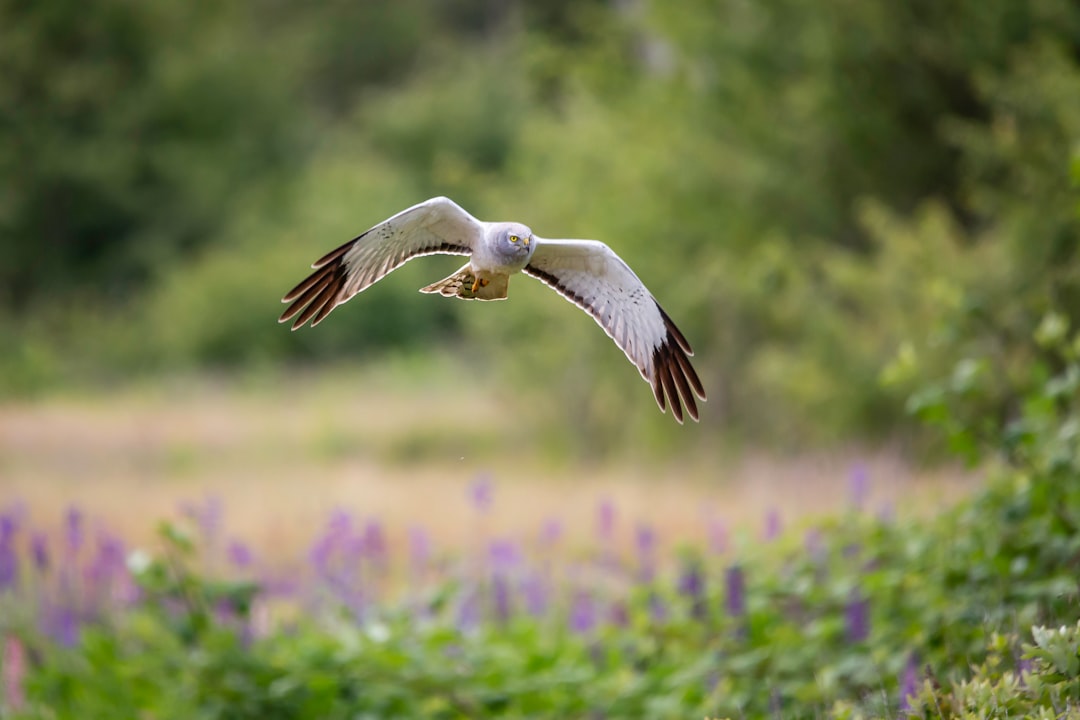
282 454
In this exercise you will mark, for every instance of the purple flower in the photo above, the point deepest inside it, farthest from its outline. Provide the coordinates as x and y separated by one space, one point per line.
481 492
107 563
9 561
500 593
239 554
336 557
374 542
735 584
39 550
582 612
551 532
657 609
857 618
646 547
619 615
337 534
1024 666
909 683
208 515
419 550
692 586
772 524
504 558
859 485
7 527
504 555
468 615
814 544
605 521
73 531
61 624
535 592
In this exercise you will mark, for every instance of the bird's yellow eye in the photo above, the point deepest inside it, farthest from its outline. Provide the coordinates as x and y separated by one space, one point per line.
514 238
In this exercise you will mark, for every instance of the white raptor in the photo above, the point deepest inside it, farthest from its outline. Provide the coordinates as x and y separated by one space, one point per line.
586 272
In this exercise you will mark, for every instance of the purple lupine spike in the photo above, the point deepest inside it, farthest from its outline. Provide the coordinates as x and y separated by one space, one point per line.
210 519
419 550
692 586
8 525
504 555
857 618
735 585
535 592
482 492
645 543
374 542
336 557
338 530
658 611
73 531
814 542
551 532
909 683
605 520
773 525
9 560
39 550
582 612
239 554
504 558
108 579
1024 666
619 614
107 562
859 486
501 599
62 625
340 523
468 614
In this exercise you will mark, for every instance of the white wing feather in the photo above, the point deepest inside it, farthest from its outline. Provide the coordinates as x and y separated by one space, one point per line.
592 276
435 226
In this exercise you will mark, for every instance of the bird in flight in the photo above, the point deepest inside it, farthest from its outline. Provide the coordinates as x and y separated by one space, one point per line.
586 272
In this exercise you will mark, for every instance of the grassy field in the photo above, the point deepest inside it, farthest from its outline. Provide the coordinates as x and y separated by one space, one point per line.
281 453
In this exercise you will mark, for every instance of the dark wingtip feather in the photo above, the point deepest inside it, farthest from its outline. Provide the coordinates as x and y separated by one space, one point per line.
674 377
316 296
674 333
673 374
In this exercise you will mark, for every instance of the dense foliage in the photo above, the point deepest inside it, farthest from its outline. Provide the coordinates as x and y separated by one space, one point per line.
810 190
972 613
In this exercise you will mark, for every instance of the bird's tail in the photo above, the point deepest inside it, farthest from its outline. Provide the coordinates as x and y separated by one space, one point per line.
464 284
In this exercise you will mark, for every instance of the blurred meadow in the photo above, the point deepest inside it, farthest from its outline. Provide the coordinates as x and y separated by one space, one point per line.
865 217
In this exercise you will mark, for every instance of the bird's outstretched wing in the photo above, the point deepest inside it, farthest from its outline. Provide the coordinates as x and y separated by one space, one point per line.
438 225
592 276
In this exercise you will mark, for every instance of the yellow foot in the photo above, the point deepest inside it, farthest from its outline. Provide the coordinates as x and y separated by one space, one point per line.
479 283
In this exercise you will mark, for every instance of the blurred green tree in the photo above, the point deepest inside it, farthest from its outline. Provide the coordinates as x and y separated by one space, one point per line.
128 130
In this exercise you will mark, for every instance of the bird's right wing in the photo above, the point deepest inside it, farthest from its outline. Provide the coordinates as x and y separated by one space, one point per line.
435 226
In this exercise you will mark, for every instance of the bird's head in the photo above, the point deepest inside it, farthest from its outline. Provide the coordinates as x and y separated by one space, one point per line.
514 241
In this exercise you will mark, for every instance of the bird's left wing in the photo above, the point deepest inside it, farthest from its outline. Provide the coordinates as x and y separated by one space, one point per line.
438 225
592 276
